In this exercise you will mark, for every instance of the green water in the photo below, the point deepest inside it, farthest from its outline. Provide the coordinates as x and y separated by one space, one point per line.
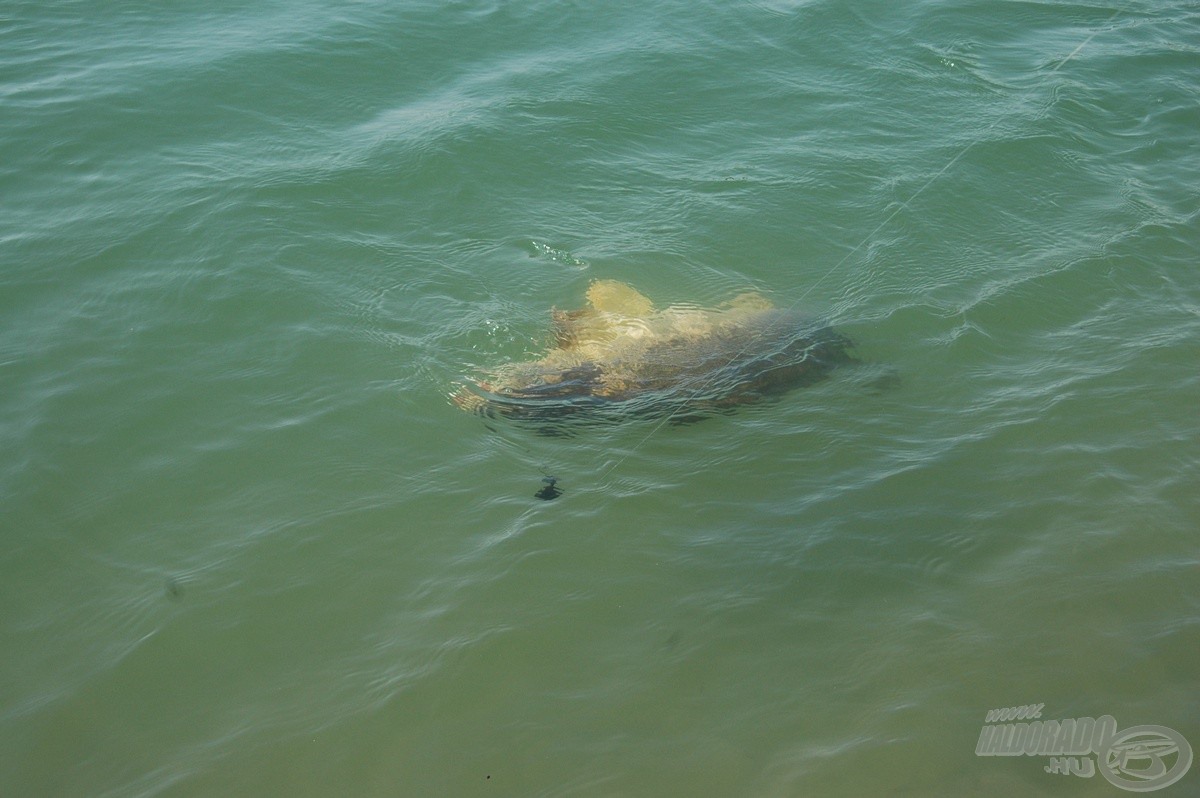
249 548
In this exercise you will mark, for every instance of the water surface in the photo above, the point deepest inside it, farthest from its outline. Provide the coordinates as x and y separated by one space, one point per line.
248 546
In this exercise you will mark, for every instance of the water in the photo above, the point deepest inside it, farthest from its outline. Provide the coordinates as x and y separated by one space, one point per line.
248 547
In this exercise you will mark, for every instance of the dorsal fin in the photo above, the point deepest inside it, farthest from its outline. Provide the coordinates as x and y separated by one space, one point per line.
572 326
750 300
611 296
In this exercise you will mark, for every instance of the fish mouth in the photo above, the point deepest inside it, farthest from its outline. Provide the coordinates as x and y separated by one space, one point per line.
553 395
466 399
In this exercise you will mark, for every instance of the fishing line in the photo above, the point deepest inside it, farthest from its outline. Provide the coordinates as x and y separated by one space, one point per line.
871 235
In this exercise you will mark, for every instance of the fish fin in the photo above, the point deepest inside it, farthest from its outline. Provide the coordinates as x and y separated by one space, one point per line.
750 300
575 327
612 296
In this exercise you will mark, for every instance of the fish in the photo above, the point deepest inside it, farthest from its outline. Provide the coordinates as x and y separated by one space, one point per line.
619 356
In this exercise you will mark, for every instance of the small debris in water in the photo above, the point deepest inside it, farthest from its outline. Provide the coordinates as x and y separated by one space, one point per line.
549 491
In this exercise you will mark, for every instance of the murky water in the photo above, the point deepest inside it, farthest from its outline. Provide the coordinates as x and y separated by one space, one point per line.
249 547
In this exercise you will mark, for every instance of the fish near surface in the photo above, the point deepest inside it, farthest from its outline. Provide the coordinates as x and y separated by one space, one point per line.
619 356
